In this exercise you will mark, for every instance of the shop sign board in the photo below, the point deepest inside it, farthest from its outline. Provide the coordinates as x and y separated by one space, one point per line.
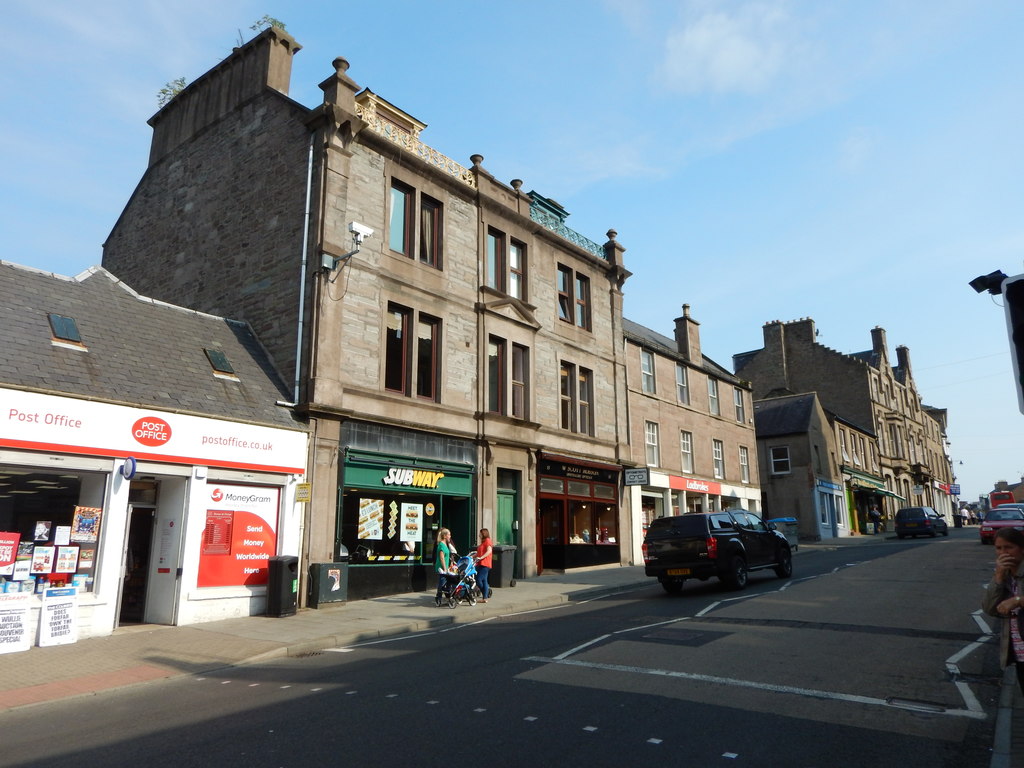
58 621
240 535
695 485
637 476
14 614
39 422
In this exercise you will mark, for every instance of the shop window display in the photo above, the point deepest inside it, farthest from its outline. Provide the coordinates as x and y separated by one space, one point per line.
49 529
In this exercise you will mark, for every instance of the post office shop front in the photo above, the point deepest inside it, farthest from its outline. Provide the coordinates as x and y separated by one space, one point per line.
153 517
391 510
578 513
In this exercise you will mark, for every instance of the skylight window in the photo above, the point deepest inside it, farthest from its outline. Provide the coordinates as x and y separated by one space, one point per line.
219 361
64 328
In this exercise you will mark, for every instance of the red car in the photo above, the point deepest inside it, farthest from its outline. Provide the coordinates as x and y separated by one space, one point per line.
1003 516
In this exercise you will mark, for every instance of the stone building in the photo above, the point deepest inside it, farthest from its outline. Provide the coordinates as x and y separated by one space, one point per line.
690 422
800 477
451 342
912 466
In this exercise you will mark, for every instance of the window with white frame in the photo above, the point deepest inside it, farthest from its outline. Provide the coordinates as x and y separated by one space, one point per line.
718 458
686 450
651 443
744 464
737 399
779 460
713 405
682 384
647 371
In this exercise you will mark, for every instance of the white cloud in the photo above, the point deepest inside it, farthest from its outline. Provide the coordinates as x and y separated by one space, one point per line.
855 150
720 50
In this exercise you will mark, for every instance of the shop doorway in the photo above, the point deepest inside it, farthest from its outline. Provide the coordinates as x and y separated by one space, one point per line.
135 559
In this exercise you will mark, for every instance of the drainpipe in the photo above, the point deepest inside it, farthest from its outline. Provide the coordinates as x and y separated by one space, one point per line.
302 274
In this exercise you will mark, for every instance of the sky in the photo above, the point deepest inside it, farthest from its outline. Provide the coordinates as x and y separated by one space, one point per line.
853 161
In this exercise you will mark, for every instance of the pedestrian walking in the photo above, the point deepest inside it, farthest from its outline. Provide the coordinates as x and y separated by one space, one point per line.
442 561
875 517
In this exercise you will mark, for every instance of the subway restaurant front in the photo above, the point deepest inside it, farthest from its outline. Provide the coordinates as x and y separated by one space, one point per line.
390 511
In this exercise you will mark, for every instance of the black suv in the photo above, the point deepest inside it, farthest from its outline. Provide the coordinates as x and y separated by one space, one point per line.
727 544
920 521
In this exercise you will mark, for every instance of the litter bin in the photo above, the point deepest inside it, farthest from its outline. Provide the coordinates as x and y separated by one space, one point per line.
503 571
790 528
282 585
328 582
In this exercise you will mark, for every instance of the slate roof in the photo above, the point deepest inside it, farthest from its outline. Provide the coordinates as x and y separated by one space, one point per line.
137 351
665 346
783 415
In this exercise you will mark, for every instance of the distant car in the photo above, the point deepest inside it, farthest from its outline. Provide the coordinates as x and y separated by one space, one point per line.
920 521
1003 516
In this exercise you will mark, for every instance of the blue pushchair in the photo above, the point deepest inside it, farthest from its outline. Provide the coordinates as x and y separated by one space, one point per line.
461 586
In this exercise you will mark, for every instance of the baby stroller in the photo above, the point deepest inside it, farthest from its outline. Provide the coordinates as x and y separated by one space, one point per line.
461 586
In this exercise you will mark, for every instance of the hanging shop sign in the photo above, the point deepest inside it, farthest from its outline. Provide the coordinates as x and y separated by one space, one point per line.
66 425
637 476
14 629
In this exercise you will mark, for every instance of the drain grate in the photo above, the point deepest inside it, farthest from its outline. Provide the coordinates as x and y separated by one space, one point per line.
307 654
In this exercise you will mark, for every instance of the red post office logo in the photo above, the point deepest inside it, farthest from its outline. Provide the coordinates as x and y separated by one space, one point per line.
151 430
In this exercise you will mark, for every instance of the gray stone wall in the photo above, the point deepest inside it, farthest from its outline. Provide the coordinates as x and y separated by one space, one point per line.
217 224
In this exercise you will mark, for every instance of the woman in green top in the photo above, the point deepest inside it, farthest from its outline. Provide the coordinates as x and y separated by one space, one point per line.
442 560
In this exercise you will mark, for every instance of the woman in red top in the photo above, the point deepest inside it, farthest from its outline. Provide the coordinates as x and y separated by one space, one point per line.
483 566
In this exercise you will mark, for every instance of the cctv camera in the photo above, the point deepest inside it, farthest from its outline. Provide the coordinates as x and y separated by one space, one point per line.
992 282
359 231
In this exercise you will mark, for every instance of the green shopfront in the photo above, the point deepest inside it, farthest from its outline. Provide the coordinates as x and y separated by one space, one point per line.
390 509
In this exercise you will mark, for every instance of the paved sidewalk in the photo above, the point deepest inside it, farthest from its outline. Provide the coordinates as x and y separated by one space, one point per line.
140 654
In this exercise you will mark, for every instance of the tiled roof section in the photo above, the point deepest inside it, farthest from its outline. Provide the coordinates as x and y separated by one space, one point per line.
137 351
665 346
783 415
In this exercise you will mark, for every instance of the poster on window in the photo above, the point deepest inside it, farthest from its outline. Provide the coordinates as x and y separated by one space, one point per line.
85 525
14 627
8 552
240 535
42 559
371 519
67 560
58 621
412 523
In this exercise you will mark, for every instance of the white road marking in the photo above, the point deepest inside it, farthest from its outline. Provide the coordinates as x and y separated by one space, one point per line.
529 718
807 692
571 651
590 728
654 741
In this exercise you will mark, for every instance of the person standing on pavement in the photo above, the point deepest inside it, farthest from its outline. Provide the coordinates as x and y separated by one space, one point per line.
1004 597
875 518
442 561
484 553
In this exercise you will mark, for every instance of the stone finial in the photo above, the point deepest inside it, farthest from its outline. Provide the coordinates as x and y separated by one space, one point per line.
686 310
476 160
516 184
339 88
611 234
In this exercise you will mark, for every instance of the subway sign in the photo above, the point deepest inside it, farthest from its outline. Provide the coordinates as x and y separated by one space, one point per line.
412 478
